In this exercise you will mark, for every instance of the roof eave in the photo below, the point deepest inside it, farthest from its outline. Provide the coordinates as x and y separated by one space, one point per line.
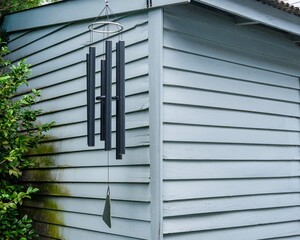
258 12
73 10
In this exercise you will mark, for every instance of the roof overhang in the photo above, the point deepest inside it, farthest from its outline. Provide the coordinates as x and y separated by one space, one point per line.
73 10
258 13
252 11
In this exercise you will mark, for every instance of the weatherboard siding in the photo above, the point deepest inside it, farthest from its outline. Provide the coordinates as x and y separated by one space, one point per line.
230 115
230 129
72 177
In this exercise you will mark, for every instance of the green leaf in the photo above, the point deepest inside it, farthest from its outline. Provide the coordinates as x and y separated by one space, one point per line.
4 78
19 132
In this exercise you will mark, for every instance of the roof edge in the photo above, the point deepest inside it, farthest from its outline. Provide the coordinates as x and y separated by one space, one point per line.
40 6
258 12
72 11
284 6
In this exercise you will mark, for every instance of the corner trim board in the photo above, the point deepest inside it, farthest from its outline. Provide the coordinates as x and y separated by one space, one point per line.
155 119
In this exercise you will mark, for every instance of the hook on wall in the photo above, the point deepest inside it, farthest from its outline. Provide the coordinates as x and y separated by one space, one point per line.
149 3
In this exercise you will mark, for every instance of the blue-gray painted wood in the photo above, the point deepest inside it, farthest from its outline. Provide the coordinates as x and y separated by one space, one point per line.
76 233
121 209
155 114
231 129
231 204
72 177
248 233
15 36
122 227
31 37
230 220
290 237
258 12
212 126
136 192
87 9
175 113
135 156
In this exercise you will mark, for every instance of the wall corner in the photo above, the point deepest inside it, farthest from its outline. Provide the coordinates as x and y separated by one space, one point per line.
155 115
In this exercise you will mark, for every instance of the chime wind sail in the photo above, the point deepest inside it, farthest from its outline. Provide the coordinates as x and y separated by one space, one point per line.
106 98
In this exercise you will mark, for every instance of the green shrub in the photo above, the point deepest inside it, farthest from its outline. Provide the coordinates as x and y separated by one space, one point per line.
19 133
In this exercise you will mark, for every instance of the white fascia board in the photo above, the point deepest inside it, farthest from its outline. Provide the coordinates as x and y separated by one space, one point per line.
258 12
74 10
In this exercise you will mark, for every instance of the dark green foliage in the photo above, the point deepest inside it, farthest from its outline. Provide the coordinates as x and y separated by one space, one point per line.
19 133
10 6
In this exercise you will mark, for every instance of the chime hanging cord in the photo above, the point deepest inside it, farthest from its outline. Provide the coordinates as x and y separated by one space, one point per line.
108 171
91 37
104 9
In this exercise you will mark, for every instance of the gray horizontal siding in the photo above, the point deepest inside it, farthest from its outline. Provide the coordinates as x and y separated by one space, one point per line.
30 37
234 204
262 231
72 177
124 174
198 189
121 209
134 156
231 129
227 151
16 35
232 219
77 233
177 169
137 192
258 39
292 237
122 227
71 37
210 116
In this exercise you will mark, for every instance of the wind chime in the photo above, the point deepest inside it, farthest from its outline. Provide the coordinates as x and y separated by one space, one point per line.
106 28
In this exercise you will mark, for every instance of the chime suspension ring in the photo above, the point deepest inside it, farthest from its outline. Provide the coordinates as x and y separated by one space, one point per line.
118 27
106 26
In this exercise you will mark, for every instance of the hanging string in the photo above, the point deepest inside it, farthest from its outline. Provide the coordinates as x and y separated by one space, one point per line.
108 168
106 5
91 37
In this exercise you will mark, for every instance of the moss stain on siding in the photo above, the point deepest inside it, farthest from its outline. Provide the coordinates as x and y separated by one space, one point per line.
42 208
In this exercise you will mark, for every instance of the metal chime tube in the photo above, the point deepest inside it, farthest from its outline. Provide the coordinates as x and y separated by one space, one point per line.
108 94
120 92
106 97
102 104
91 75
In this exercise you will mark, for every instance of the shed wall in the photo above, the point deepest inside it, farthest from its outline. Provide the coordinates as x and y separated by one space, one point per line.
230 129
72 177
